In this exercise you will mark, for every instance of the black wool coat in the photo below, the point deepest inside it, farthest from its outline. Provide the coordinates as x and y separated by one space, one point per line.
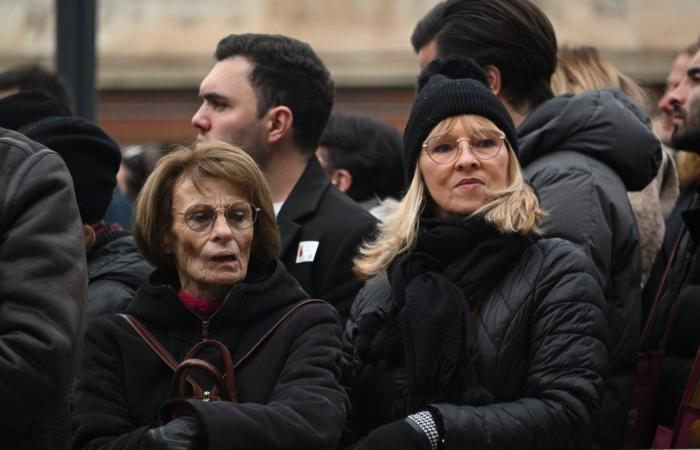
316 211
43 283
678 306
288 391
541 354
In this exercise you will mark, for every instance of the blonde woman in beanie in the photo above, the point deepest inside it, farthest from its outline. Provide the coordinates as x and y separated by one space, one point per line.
472 332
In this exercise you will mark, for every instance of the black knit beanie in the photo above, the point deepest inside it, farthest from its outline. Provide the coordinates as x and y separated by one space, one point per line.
23 108
92 158
447 88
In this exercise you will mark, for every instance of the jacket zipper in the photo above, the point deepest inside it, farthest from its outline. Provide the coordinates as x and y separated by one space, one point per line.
205 323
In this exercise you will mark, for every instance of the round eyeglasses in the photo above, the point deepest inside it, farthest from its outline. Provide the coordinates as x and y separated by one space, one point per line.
445 148
201 218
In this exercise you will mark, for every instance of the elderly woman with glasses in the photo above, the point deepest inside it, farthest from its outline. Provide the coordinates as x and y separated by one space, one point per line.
473 332
205 220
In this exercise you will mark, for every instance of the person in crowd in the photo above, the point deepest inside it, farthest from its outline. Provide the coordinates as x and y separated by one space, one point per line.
678 308
42 294
362 157
474 332
272 96
33 77
120 209
423 36
18 110
582 154
584 68
115 267
30 78
675 75
688 164
205 220
137 163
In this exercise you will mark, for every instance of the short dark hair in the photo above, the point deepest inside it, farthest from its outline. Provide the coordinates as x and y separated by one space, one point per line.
427 27
370 150
286 72
34 77
513 35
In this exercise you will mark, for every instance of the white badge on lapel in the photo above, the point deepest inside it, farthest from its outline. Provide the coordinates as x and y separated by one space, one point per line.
307 251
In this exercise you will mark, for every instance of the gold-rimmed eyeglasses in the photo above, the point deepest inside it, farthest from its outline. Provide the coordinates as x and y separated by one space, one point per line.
445 148
201 218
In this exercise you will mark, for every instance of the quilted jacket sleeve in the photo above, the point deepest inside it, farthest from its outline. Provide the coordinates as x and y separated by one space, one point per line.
584 216
566 363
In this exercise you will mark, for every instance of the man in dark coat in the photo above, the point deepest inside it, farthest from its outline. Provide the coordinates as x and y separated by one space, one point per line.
678 308
42 292
581 154
272 96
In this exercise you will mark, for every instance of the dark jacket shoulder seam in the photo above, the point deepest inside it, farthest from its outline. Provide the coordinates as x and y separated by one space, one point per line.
20 173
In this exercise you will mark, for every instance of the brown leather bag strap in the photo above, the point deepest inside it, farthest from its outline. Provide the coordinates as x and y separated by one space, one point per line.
274 327
223 385
151 340
228 392
158 348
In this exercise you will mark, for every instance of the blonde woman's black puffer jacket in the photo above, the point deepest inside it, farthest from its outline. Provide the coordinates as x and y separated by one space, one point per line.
540 336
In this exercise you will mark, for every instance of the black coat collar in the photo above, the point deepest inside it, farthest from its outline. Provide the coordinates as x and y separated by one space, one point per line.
303 201
691 217
267 288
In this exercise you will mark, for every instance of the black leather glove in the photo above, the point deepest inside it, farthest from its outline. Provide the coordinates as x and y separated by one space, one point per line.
397 435
183 433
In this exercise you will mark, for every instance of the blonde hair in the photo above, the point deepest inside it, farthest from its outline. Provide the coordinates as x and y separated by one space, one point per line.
513 209
204 161
584 68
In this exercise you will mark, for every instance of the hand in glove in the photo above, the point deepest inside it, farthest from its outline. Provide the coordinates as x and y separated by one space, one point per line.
398 435
183 433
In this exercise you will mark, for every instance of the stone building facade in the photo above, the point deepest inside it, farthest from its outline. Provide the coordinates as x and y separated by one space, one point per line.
152 54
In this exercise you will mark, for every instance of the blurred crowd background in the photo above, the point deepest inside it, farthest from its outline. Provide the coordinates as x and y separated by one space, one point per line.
151 55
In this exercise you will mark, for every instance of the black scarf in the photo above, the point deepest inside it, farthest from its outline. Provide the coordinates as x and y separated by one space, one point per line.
454 265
